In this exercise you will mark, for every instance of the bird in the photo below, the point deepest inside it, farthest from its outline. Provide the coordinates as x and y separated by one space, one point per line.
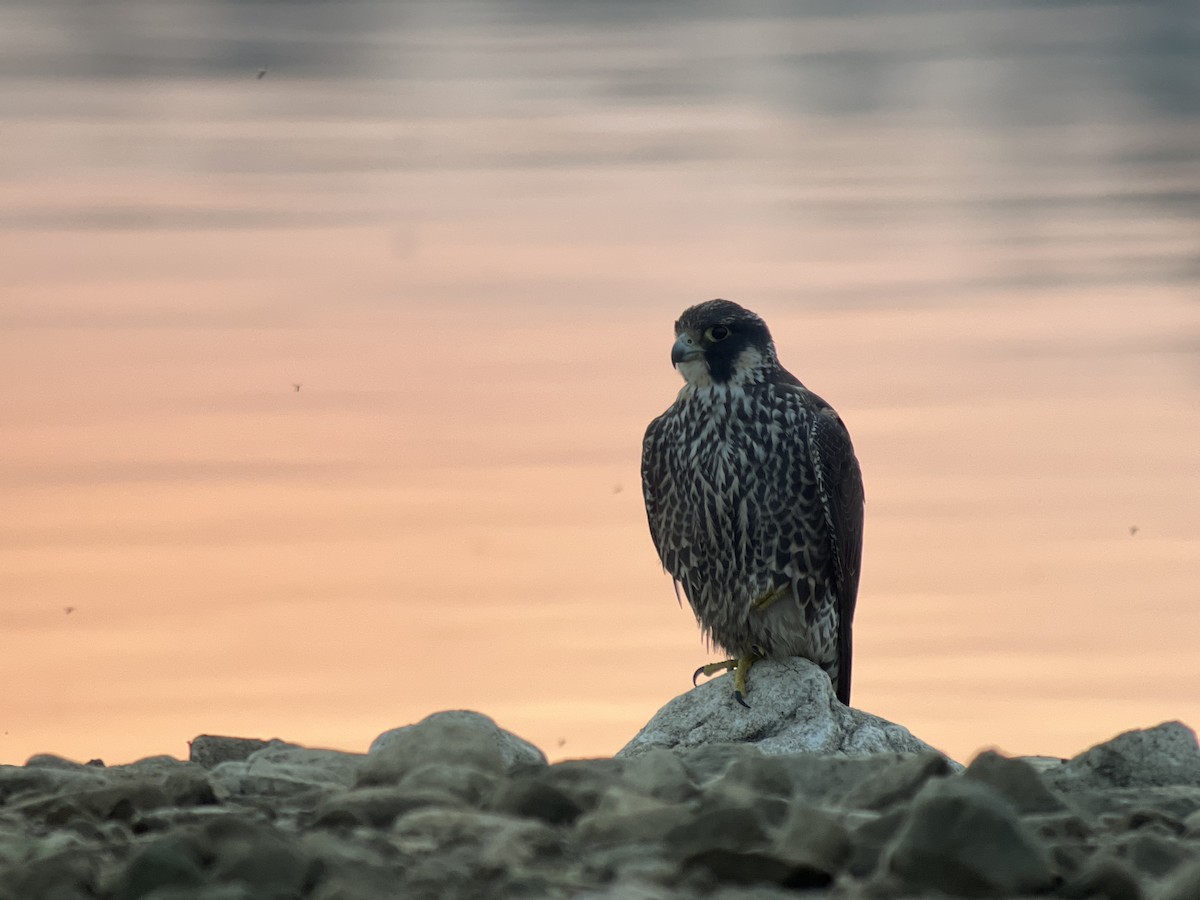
755 501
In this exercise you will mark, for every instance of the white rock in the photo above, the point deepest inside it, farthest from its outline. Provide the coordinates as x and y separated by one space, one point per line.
793 709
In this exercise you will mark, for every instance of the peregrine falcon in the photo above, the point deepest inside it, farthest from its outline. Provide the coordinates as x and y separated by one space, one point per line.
755 500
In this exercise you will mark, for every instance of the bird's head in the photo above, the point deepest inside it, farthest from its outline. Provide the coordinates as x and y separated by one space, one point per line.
719 342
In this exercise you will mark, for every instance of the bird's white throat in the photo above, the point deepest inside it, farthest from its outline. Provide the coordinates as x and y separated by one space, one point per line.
695 373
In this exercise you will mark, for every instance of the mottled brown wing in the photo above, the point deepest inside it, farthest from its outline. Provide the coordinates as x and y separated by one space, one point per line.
840 480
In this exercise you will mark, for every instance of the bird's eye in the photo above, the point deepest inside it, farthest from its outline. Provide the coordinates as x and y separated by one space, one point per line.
717 333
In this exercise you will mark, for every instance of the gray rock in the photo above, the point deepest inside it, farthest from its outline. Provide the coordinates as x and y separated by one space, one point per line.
21 782
469 852
754 776
747 845
1016 781
661 774
148 765
747 868
896 782
469 785
583 781
429 830
533 798
210 750
870 836
1156 855
1178 802
961 838
625 817
730 797
62 876
1061 828
1102 877
1041 764
863 782
188 787
377 807
1183 885
182 783
455 807
1165 755
210 892
706 762
52 761
640 889
267 861
352 865
762 892
814 838
1191 823
459 737
1148 821
793 710
172 861
119 802
285 771
738 828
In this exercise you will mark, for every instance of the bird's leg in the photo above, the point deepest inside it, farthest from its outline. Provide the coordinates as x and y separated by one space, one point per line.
766 600
739 678
739 665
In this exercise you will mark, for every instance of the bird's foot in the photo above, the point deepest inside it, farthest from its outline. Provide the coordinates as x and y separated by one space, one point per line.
766 600
740 667
712 669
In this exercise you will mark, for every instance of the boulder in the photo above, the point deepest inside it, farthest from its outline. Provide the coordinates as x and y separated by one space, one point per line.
209 750
19 782
1183 885
1016 781
793 709
1102 877
285 770
1164 756
961 838
456 738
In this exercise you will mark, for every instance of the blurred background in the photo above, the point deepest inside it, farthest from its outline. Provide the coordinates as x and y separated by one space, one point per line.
329 332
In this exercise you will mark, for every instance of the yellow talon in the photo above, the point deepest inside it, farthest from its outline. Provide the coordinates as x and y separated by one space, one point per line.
713 668
739 678
741 668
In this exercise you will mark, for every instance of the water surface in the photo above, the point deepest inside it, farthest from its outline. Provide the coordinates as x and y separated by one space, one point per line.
464 230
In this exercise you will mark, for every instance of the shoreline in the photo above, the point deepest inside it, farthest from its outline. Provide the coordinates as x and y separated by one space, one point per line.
454 806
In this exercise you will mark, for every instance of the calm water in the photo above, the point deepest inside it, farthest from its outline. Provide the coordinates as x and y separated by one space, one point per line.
464 230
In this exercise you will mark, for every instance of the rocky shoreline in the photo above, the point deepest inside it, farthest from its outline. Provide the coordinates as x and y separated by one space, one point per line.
709 800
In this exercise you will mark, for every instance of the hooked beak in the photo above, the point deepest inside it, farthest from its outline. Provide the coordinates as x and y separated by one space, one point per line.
685 350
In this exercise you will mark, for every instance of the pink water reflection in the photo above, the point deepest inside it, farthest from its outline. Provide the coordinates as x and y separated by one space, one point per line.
477 306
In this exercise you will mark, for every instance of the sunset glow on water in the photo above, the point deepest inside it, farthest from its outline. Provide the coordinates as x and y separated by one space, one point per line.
466 238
